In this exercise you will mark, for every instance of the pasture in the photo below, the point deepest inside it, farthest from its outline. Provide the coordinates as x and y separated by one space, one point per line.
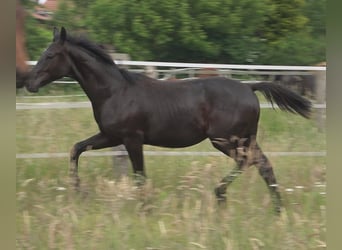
176 209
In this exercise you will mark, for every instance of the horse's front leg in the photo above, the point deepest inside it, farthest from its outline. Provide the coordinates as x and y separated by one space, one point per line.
134 147
97 141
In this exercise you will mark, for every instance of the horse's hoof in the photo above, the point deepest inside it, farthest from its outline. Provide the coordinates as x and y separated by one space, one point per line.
139 180
277 211
221 196
75 183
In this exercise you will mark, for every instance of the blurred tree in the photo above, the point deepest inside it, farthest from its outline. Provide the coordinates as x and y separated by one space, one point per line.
295 49
38 37
315 11
305 43
286 17
201 30
67 15
217 31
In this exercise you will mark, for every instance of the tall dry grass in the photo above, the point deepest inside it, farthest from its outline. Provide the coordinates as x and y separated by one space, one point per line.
117 214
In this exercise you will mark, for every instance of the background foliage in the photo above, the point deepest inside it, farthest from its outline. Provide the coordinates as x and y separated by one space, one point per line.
215 31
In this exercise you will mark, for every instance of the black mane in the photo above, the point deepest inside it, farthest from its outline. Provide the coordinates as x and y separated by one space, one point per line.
98 51
127 75
133 77
95 49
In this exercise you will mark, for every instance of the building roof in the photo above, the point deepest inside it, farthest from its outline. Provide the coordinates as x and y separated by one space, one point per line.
45 9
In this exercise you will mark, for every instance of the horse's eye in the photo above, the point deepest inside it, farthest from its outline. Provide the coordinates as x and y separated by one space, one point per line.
49 55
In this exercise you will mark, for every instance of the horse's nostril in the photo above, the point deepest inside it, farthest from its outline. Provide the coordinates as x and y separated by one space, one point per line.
32 89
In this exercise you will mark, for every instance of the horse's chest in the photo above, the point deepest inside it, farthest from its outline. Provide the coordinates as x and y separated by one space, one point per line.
118 122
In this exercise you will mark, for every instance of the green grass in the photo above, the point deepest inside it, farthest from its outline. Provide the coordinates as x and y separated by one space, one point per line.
176 209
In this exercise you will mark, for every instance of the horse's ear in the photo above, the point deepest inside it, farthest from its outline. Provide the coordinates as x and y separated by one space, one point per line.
55 34
63 35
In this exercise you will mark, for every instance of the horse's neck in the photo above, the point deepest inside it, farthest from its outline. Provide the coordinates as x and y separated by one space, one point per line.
98 80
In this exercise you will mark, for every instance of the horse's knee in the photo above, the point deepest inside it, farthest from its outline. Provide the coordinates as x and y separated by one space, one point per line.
265 171
73 152
76 150
74 155
220 191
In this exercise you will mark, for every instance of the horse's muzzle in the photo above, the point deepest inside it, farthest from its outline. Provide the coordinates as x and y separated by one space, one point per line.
31 88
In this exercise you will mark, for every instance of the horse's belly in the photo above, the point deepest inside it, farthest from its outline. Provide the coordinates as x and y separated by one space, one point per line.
174 143
175 138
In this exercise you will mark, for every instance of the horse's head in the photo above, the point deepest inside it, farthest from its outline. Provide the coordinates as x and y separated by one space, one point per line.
52 65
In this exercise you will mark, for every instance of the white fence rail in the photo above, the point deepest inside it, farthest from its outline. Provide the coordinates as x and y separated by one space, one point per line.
72 105
215 66
159 153
191 69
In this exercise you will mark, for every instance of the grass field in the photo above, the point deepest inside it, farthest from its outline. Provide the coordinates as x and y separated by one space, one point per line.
176 209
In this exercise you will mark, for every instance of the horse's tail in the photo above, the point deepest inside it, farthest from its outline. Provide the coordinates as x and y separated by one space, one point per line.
286 99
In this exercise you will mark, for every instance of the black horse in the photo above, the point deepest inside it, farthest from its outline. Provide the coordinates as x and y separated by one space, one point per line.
133 109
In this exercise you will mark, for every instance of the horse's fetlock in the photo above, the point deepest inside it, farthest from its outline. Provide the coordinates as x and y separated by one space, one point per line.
220 192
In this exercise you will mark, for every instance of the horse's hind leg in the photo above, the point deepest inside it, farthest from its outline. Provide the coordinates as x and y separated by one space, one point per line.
266 171
237 149
221 189
246 152
97 141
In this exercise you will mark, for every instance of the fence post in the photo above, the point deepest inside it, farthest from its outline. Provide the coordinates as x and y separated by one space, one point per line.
151 71
320 95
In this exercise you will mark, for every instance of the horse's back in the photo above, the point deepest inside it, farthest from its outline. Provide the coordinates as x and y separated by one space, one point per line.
230 91
218 93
